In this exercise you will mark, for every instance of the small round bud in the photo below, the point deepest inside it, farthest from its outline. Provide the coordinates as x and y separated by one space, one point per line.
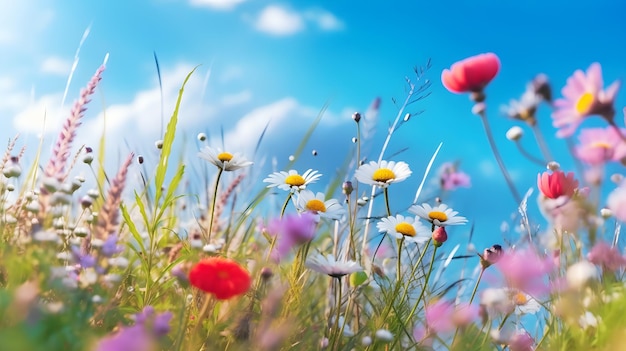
12 170
606 213
440 236
553 166
201 137
266 273
617 178
479 108
93 193
366 340
407 117
356 117
358 278
10 187
140 159
88 158
86 201
490 256
354 140
347 188
514 133
314 152
158 144
291 158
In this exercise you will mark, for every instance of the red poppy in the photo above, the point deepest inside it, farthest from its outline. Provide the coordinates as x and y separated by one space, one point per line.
222 277
557 184
471 74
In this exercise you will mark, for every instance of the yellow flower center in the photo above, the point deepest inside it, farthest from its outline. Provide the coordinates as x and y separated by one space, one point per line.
520 299
405 228
438 215
295 180
601 144
383 175
316 205
584 103
225 156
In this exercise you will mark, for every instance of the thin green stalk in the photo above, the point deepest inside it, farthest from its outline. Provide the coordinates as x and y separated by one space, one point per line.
496 153
284 208
430 270
482 270
337 315
399 261
541 141
217 183
386 191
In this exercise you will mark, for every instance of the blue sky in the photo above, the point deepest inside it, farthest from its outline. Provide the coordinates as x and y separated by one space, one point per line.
280 62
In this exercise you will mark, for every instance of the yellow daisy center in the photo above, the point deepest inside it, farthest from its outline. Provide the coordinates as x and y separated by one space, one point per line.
584 103
316 205
520 299
438 215
405 228
225 156
295 180
383 175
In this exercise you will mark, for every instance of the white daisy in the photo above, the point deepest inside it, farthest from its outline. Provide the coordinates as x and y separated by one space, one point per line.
292 181
224 160
382 174
524 303
408 227
316 203
329 265
440 215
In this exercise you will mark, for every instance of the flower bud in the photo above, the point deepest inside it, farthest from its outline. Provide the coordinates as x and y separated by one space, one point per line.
514 133
490 256
356 117
357 278
440 236
347 188
201 137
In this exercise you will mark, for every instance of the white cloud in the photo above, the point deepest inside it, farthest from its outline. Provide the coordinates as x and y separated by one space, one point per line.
45 111
217 4
12 25
230 74
237 98
277 20
56 65
324 19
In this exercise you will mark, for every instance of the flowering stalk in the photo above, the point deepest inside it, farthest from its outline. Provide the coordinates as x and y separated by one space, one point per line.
494 148
541 141
108 218
211 219
430 270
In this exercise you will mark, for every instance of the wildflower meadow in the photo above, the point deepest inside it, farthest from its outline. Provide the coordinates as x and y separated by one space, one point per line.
321 261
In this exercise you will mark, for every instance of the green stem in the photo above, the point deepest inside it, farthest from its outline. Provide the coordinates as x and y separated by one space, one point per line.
482 270
399 262
217 183
496 153
430 270
337 315
543 146
282 210
387 201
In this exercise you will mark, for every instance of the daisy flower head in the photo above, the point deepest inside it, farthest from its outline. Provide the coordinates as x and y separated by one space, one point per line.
583 96
400 227
600 145
523 109
292 180
382 174
331 266
317 204
224 160
440 215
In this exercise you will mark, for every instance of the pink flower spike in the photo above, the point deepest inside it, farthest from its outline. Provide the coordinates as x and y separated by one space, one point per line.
584 96
609 258
557 184
471 74
525 270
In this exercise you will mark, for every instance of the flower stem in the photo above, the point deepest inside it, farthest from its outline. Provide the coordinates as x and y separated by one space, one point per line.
496 153
387 201
336 330
430 270
217 183
541 141
399 262
530 157
284 208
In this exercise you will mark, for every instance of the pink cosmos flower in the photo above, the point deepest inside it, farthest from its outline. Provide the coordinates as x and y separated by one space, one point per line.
616 202
292 230
525 270
471 74
451 178
599 145
583 97
557 184
602 254
442 316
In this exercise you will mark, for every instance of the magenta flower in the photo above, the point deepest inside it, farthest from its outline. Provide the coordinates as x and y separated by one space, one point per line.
442 316
292 230
525 270
583 97
609 258
451 178
557 184
600 145
616 202
471 74
143 336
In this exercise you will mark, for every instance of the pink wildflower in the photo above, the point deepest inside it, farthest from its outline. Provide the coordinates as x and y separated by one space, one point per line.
471 74
599 145
616 202
557 184
606 256
525 270
451 178
521 341
291 231
583 97
442 316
